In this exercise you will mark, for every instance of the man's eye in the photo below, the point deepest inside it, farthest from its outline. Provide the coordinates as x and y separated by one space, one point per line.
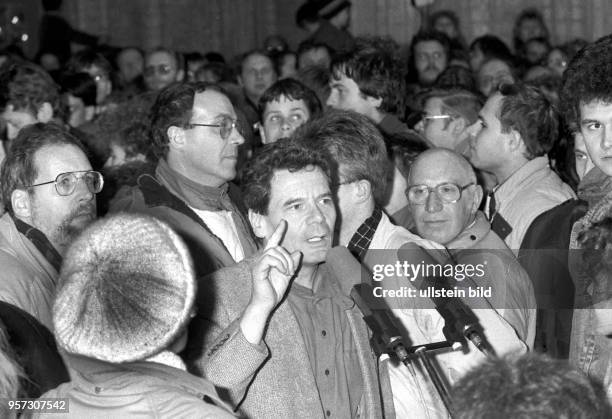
296 207
580 155
274 118
327 201
297 118
593 126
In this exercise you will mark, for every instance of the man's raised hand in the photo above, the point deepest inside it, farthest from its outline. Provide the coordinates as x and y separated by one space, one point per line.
273 270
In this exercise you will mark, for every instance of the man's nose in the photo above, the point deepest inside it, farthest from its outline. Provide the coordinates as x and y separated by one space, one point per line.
433 203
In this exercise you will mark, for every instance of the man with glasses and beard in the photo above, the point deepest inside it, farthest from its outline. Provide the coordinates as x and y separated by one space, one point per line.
48 191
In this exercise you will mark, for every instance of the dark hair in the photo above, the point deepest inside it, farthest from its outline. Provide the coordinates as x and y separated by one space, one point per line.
532 386
526 14
288 155
588 78
492 47
250 53
404 148
449 14
293 90
527 110
176 56
456 76
351 140
307 13
26 87
214 57
457 103
19 169
316 78
597 244
173 107
375 66
309 45
423 36
82 60
135 139
222 72
80 85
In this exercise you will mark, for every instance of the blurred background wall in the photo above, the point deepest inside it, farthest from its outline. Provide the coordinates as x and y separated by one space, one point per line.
233 26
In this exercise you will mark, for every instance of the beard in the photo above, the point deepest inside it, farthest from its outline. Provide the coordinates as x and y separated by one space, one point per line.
68 229
62 234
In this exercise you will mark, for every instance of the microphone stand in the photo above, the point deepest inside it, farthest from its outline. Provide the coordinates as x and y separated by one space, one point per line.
386 339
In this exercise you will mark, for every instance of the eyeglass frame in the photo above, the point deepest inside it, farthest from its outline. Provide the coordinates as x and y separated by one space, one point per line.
235 125
78 178
435 190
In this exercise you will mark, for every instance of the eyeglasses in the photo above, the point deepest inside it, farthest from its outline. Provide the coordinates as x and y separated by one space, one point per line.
162 69
226 126
65 183
447 192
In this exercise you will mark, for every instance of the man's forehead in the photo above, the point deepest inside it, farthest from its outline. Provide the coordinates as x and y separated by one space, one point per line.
212 103
435 168
257 61
285 103
51 160
429 45
160 57
596 109
286 184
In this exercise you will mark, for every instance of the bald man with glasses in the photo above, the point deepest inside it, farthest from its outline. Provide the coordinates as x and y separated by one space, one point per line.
48 191
444 198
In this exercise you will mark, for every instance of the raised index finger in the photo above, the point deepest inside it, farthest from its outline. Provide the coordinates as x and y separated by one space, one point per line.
278 234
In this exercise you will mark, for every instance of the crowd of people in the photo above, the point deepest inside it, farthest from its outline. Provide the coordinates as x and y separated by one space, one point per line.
181 233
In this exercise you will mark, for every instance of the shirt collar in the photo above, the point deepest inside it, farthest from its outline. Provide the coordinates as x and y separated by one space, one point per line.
40 241
361 240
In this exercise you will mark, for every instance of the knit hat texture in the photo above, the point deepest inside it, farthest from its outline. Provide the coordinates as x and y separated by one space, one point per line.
126 290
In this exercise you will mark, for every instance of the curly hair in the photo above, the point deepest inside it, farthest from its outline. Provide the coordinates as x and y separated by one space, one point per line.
588 78
527 110
528 387
291 155
27 87
376 67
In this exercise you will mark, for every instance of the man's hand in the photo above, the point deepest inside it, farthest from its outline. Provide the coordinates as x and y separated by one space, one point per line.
271 273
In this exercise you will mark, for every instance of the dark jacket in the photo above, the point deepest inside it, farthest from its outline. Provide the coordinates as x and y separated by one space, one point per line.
35 351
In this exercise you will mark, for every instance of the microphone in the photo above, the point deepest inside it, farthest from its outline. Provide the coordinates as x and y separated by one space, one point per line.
386 335
460 322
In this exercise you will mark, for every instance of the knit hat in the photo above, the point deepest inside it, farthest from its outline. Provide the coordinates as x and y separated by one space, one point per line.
126 290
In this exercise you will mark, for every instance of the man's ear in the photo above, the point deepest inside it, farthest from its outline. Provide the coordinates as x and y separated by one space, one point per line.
363 190
240 82
478 195
375 102
515 141
44 113
259 224
176 136
457 126
180 75
20 201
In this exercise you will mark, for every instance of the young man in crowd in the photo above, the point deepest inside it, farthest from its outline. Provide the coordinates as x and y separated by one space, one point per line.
285 106
587 101
369 80
515 129
447 114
